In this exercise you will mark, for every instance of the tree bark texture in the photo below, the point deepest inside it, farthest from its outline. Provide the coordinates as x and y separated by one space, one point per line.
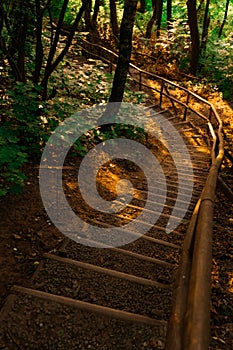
113 19
225 18
87 17
151 22
195 41
96 12
169 13
125 48
142 7
60 57
155 18
206 23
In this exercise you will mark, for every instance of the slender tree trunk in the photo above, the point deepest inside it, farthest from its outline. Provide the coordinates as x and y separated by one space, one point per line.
206 23
151 22
39 28
125 48
113 15
159 16
60 57
200 5
15 71
22 35
53 47
195 42
169 14
87 16
142 7
153 3
155 18
96 12
225 18
39 46
16 26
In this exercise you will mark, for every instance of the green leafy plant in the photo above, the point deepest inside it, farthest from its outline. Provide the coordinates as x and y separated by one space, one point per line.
12 158
217 65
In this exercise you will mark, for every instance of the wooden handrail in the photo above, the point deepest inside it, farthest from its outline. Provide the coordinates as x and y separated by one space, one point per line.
160 79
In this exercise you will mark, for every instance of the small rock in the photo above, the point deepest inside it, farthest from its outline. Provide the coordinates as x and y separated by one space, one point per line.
18 237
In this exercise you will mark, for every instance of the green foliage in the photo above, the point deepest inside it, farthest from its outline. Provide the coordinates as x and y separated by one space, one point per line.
24 113
23 133
218 65
72 9
19 134
84 85
217 61
141 22
12 158
173 49
27 122
111 131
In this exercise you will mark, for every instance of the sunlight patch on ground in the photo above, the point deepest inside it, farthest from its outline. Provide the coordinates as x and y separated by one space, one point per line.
215 273
230 275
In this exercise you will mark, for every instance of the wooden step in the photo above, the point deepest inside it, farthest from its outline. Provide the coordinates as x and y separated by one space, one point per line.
33 319
103 287
119 259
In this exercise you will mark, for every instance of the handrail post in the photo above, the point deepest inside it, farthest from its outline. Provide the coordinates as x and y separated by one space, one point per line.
210 113
161 94
140 81
186 108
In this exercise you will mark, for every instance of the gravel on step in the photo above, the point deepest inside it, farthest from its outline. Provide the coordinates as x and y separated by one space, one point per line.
36 324
116 260
93 287
154 250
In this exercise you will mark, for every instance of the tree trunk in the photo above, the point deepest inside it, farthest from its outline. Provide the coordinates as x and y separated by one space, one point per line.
225 18
113 20
53 47
125 48
96 12
22 36
60 57
142 7
169 14
153 3
159 16
155 18
206 23
16 23
87 17
195 42
151 22
200 5
39 46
